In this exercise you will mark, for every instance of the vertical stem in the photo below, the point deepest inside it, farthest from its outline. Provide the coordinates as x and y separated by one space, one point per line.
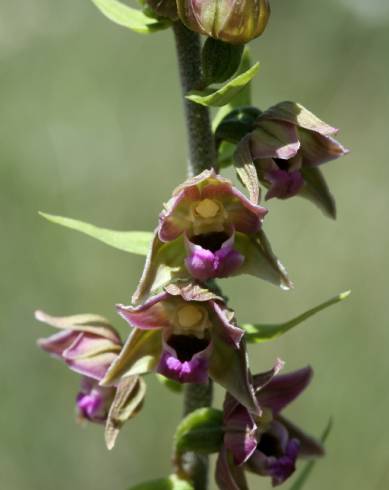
201 157
200 139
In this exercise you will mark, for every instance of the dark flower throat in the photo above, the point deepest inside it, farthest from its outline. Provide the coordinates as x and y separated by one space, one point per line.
211 241
186 346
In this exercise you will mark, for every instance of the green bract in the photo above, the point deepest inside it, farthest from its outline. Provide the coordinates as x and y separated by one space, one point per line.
170 483
222 96
129 17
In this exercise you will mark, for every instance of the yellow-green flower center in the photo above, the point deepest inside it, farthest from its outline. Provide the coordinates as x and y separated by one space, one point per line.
207 208
191 320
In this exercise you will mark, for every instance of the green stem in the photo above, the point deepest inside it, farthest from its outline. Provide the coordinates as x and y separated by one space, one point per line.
200 138
201 157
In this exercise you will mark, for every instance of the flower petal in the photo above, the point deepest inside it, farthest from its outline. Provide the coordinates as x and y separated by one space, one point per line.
93 324
194 370
94 367
240 434
317 149
57 343
151 314
229 331
297 114
309 446
229 476
281 390
273 139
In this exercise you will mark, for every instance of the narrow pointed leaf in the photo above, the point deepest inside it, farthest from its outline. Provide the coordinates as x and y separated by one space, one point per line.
222 96
135 242
299 483
261 333
170 483
126 16
200 431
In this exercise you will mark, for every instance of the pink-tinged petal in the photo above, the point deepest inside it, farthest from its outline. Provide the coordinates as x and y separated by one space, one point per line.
276 454
294 113
258 381
273 139
94 367
309 446
317 149
179 363
175 218
244 215
228 330
57 343
151 314
229 476
93 401
87 345
94 324
204 264
240 434
283 184
281 390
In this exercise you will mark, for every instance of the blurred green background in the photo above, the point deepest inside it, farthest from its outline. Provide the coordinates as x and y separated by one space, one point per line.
91 127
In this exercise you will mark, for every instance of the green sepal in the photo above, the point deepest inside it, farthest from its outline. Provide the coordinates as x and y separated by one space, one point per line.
139 355
260 260
222 96
303 477
135 242
317 191
220 60
131 18
170 483
258 333
172 385
201 431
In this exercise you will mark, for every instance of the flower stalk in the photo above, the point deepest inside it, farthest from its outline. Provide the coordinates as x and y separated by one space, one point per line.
201 156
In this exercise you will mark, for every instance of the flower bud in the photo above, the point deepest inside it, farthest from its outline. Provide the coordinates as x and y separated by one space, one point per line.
232 21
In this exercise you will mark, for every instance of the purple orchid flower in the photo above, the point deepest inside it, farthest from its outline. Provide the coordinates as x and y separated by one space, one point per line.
268 445
186 334
88 345
207 230
288 144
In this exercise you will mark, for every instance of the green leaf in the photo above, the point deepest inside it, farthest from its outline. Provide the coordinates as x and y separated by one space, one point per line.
201 431
135 242
172 385
262 333
170 483
242 98
222 96
129 17
299 483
